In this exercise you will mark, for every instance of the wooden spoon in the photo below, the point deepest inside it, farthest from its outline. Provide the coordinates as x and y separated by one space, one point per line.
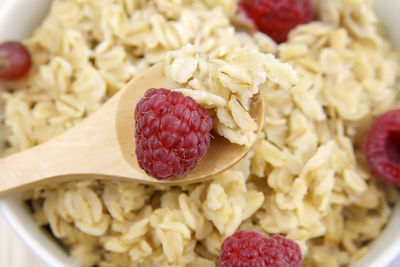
103 147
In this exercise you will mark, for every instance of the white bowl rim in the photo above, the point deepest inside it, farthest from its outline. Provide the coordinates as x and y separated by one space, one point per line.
382 251
44 246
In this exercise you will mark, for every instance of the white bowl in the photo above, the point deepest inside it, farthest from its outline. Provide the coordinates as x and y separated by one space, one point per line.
18 18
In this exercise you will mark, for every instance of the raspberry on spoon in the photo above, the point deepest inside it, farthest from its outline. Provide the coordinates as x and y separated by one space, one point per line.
172 133
382 147
277 18
15 60
250 248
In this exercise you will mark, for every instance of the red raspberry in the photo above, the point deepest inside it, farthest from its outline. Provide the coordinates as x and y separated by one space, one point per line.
172 133
382 147
277 17
249 248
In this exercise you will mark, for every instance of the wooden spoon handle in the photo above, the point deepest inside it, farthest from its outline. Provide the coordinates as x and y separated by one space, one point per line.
89 149
37 166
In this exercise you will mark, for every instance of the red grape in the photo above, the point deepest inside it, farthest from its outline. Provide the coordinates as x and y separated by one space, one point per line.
15 60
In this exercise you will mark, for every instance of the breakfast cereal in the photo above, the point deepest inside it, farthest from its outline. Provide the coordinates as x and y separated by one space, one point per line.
305 178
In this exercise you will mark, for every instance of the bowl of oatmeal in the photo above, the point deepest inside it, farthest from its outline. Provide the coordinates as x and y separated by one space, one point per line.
306 177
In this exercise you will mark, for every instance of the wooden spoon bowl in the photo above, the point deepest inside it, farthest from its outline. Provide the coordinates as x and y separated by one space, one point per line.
103 147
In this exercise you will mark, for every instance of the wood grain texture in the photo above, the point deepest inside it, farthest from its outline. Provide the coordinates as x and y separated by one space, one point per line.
14 253
103 147
97 152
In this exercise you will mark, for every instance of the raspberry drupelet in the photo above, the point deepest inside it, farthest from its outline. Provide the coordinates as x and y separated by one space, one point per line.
172 133
277 18
250 248
382 147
